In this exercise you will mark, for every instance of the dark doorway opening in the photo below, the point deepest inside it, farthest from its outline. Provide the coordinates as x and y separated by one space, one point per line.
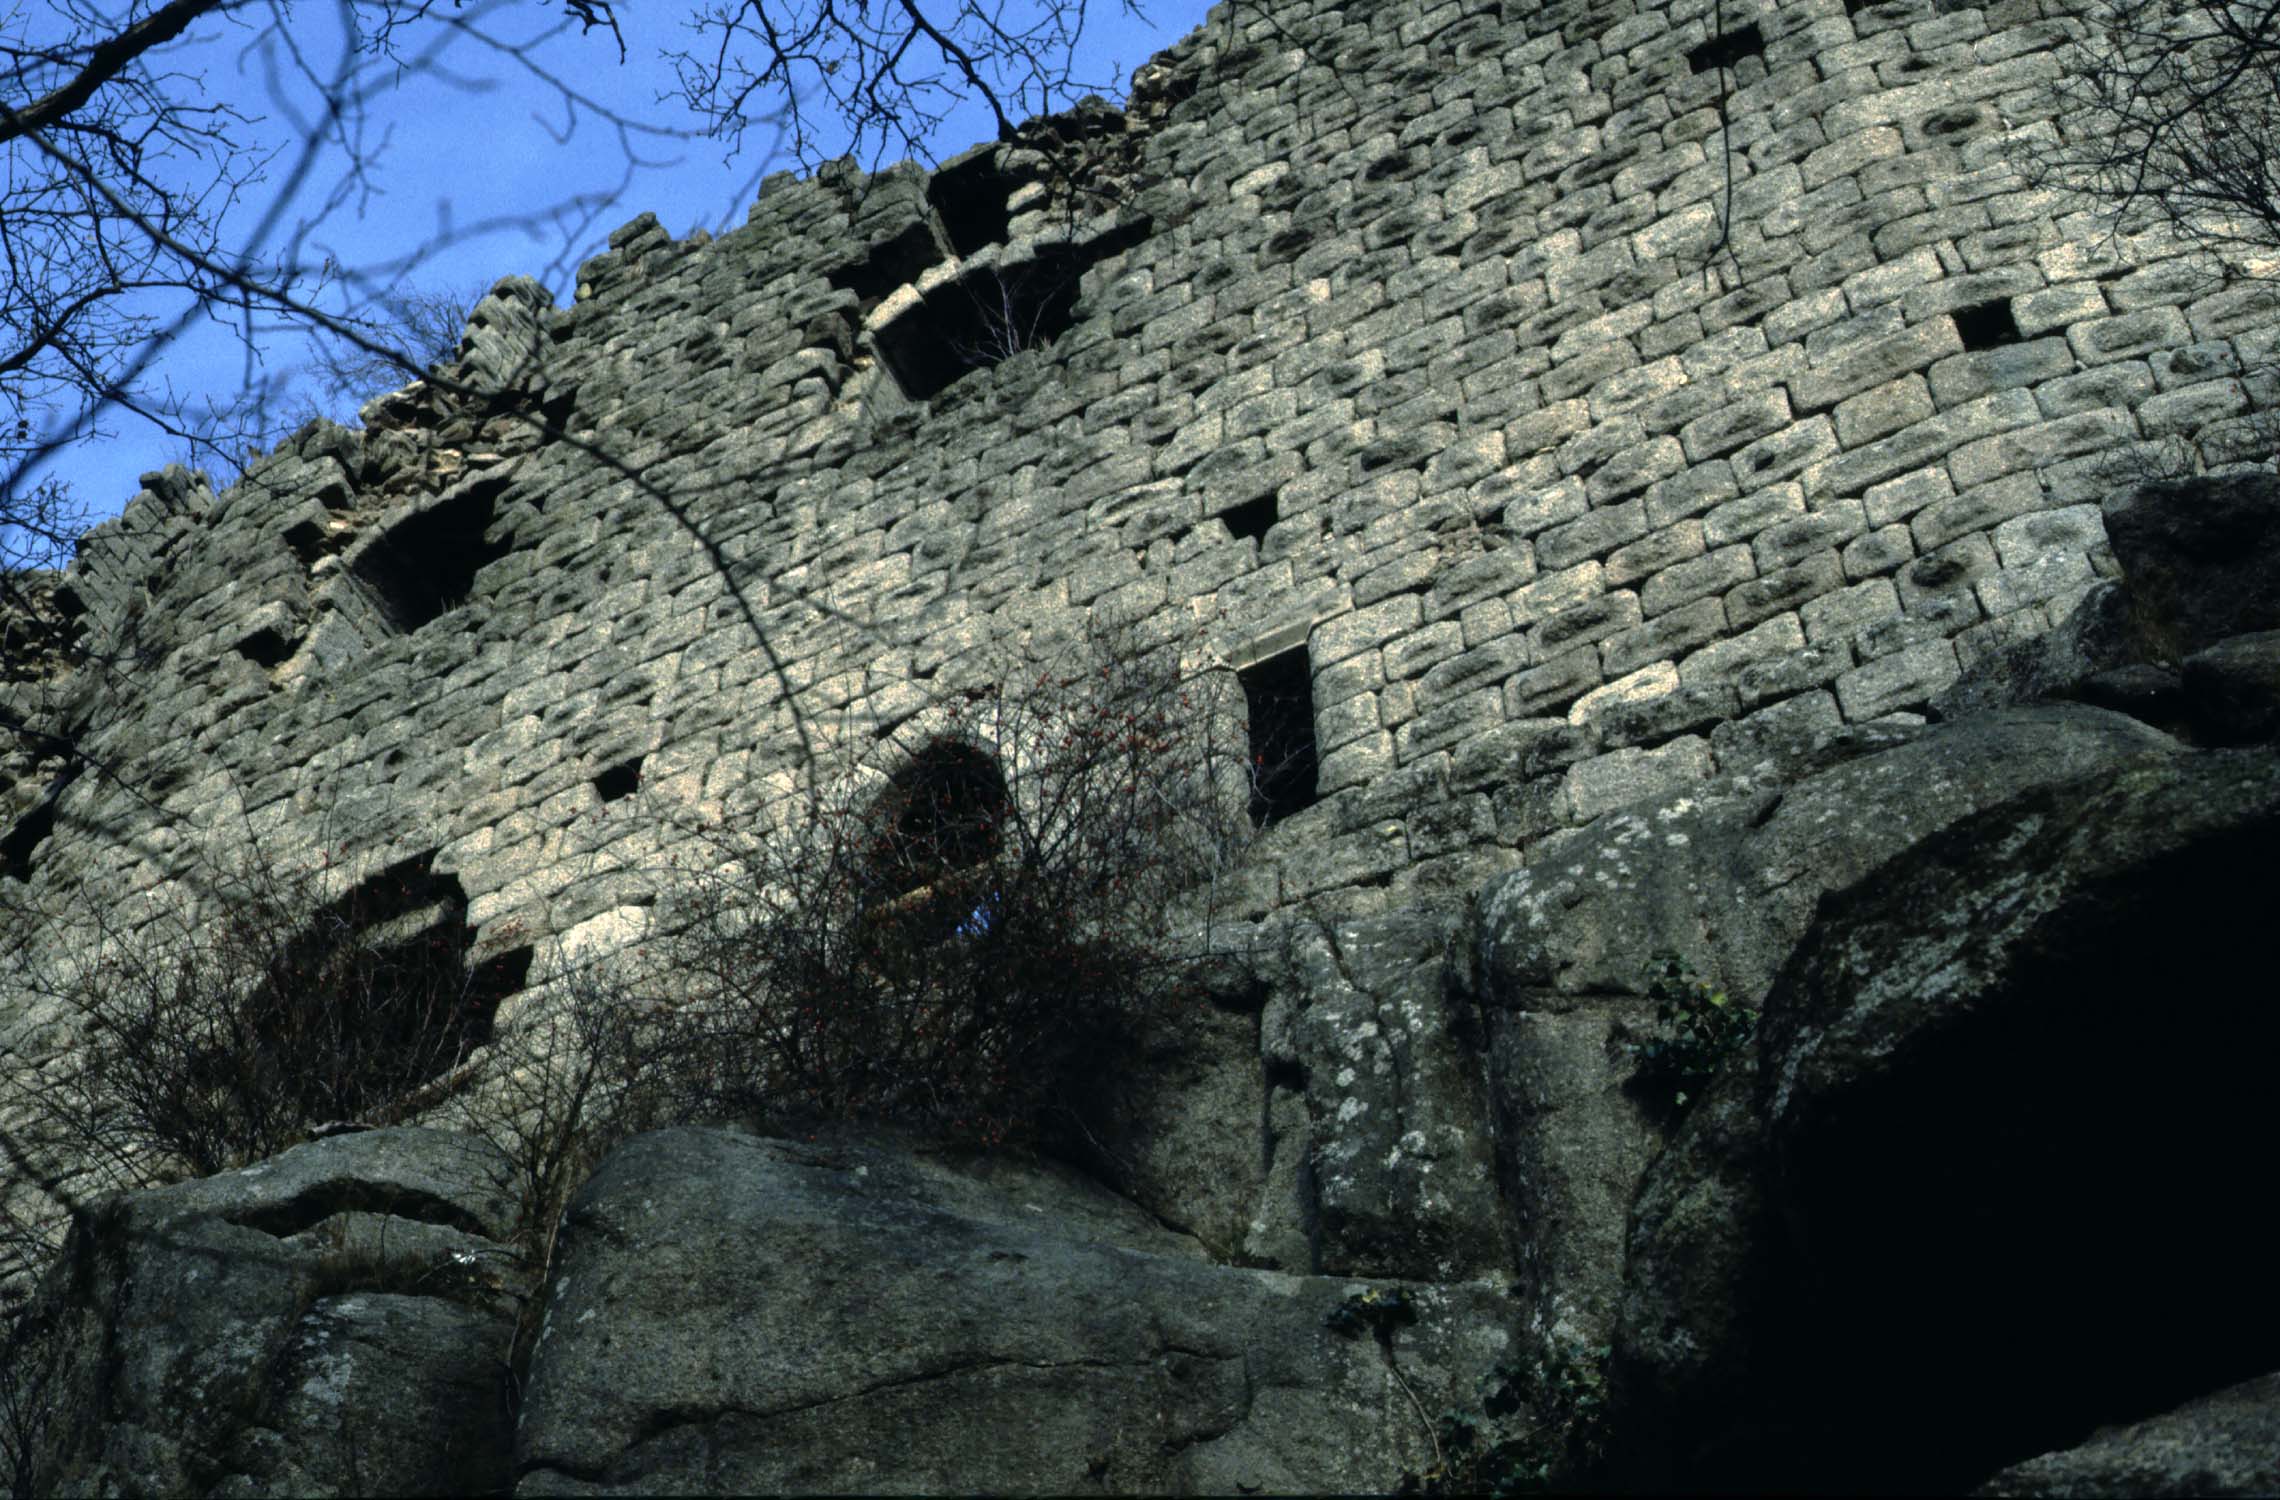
1279 692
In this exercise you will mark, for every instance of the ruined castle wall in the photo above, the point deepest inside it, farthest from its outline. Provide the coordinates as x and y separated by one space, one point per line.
1410 336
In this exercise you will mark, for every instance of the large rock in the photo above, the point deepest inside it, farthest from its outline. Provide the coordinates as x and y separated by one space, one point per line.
337 1320
2200 561
1998 1180
2225 1444
1310 1111
1728 877
734 1314
2202 557
1398 1172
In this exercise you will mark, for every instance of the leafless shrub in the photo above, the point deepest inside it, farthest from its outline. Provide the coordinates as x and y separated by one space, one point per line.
953 930
219 1034
2166 112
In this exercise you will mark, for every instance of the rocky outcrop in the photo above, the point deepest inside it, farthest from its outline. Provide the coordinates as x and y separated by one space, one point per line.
1982 1205
1991 1180
731 1314
337 1320
1731 878
2225 1444
2182 639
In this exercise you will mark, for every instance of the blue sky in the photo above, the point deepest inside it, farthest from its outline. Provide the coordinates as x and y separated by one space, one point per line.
477 136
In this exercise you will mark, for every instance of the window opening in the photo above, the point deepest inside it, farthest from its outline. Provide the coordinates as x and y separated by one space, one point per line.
31 830
266 648
970 198
618 781
894 262
1725 49
991 314
940 813
426 563
1987 325
1251 518
1279 693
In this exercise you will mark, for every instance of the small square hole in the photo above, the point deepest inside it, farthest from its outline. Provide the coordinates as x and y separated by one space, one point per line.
1725 49
1987 325
619 781
1251 518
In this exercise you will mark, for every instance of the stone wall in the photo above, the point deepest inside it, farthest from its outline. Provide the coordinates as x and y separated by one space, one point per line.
1403 334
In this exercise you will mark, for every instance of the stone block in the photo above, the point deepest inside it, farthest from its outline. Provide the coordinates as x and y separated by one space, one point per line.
1669 635
2118 385
1919 445
2048 577
1783 454
1594 619
2039 534
2040 443
1444 724
2058 308
1822 529
1777 593
1979 372
2188 409
1551 686
1690 493
1874 363
1903 680
1793 672
1878 552
1836 616
1412 654
1364 629
1744 420
1741 519
1653 553
1622 777
1886 409
2129 336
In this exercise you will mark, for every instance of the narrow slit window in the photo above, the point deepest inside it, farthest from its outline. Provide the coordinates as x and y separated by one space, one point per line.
1285 770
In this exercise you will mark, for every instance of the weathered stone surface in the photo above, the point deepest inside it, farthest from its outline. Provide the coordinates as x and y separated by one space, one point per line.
2202 557
1384 369
336 1320
2032 1025
2201 563
2233 689
1730 880
2227 1443
1398 1175
732 1314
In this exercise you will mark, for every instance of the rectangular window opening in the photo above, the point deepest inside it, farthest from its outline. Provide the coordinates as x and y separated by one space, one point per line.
619 781
1987 325
992 314
1726 49
1279 693
425 564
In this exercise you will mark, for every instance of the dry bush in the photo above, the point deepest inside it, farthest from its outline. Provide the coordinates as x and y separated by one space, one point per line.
221 1032
954 930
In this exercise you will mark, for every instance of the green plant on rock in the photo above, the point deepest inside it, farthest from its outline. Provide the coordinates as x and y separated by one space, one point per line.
1541 1426
1698 1030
